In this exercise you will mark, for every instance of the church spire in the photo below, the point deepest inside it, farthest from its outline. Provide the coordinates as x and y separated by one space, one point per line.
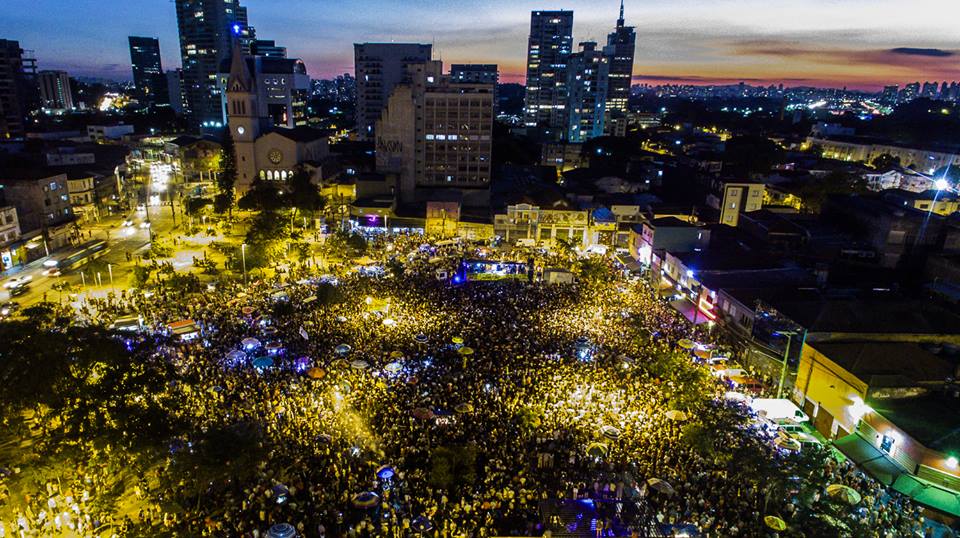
620 20
240 78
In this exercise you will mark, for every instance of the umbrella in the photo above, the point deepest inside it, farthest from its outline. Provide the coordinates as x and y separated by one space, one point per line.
843 493
236 356
734 396
687 343
250 343
675 414
703 353
241 295
393 367
316 373
775 523
359 364
273 347
281 493
610 432
341 319
386 472
366 499
396 355
597 450
463 408
661 486
247 310
421 524
282 530
457 340
412 380
389 322
421 338
422 413
262 362
342 349
466 351
787 443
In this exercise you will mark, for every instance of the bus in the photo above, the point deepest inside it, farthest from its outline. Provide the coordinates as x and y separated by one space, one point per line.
86 252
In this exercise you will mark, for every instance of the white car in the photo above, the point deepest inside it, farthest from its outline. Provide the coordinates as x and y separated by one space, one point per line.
17 281
53 271
127 223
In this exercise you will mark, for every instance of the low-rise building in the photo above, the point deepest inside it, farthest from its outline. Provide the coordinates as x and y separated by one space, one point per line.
103 133
9 235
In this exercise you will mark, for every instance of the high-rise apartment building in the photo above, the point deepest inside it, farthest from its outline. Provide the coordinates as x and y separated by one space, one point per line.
435 135
55 90
478 74
174 83
379 67
17 77
620 49
265 47
148 76
889 95
549 44
929 90
207 28
587 75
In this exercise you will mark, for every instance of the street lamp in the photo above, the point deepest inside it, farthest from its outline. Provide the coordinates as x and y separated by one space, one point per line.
110 270
243 256
786 356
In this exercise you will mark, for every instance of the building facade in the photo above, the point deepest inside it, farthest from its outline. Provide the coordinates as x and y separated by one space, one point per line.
620 49
478 74
436 135
587 76
549 45
379 67
207 29
55 92
17 74
9 234
148 76
282 86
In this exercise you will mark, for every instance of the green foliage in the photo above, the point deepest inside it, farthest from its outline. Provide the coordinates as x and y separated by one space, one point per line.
885 160
594 270
184 283
161 249
140 276
195 206
751 154
303 195
221 454
814 191
451 466
262 196
227 177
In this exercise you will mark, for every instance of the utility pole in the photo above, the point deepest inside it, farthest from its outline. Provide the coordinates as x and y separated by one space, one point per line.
786 356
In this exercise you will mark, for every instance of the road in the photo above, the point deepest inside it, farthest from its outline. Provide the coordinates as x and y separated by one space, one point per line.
122 240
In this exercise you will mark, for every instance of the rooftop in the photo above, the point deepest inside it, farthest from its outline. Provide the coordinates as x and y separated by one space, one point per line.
933 420
888 364
870 316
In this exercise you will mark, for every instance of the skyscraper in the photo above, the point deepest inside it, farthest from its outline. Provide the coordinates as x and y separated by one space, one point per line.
55 90
587 76
17 73
620 49
148 74
378 68
174 83
435 134
206 31
550 42
264 47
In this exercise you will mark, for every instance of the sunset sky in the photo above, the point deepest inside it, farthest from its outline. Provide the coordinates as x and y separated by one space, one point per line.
858 43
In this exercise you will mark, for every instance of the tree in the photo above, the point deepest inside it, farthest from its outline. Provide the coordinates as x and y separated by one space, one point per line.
304 197
884 161
227 178
262 196
752 154
453 465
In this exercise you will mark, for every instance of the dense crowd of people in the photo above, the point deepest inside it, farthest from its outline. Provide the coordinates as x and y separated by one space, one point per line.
381 405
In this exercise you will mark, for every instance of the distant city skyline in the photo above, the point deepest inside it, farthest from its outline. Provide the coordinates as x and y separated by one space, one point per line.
861 44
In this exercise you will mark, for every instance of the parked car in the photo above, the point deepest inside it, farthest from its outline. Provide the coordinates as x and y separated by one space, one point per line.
746 384
17 281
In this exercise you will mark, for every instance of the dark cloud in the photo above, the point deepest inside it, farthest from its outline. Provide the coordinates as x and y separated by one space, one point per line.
912 51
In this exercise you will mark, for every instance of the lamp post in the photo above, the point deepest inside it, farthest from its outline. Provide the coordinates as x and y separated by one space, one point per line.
786 356
243 257
110 270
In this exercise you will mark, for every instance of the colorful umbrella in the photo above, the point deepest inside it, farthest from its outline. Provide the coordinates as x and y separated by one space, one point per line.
250 343
677 415
465 351
775 523
661 486
282 530
422 413
247 310
597 450
273 347
396 355
457 340
236 356
412 380
386 472
359 364
342 349
262 362
366 499
316 373
421 338
686 343
421 524
463 408
610 432
393 367
703 353
843 493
